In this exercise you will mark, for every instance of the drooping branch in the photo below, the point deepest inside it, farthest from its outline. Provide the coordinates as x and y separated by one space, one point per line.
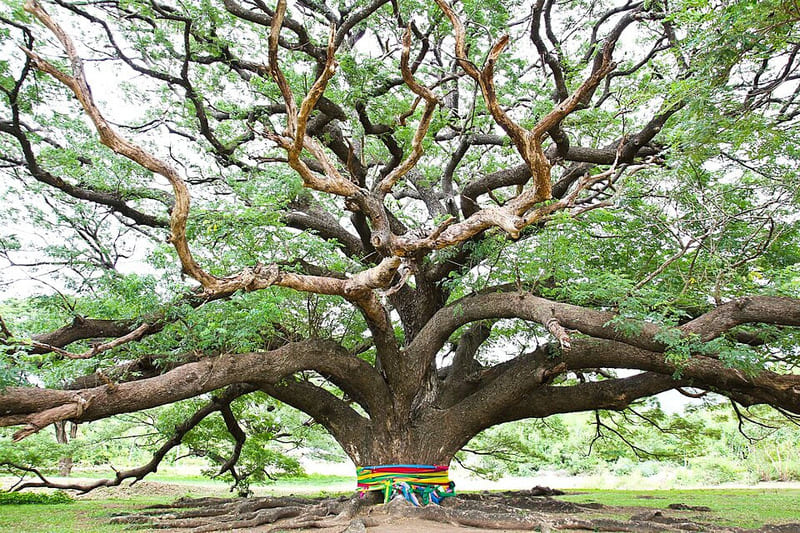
121 330
113 200
239 437
344 423
220 403
108 136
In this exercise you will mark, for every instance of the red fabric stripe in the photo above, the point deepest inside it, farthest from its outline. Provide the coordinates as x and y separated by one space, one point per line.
408 470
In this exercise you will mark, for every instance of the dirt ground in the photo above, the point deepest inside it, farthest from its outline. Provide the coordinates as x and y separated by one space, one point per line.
484 512
388 524
410 525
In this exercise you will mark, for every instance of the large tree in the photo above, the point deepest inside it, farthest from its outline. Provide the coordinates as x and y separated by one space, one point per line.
410 220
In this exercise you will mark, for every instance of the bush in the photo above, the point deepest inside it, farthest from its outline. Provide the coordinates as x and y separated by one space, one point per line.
715 470
774 461
41 498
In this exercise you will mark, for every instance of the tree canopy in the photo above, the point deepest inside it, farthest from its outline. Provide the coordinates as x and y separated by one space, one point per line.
410 220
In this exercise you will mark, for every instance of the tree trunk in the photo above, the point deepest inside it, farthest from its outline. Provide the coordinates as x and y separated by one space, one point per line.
431 439
65 463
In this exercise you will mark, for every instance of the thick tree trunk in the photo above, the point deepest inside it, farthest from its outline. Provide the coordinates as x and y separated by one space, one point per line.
429 439
402 449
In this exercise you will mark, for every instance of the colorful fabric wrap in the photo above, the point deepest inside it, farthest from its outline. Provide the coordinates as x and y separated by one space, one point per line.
418 484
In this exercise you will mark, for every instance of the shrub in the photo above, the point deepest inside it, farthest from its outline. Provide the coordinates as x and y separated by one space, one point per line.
774 461
41 498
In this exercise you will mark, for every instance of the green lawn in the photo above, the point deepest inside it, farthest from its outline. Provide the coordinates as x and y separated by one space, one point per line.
81 516
740 507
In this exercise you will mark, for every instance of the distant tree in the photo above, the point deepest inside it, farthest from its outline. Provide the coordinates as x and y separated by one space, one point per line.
411 220
63 436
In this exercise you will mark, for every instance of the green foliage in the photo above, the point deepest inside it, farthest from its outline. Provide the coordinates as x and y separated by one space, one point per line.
703 445
37 498
273 434
522 449
771 460
39 451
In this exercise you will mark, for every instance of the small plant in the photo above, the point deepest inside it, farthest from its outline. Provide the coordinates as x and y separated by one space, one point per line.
41 498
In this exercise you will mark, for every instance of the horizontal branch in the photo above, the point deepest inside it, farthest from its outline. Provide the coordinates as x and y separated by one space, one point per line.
83 328
599 324
612 394
497 388
707 372
37 407
755 309
136 334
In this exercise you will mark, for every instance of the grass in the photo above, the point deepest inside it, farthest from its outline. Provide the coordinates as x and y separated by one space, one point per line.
91 516
741 508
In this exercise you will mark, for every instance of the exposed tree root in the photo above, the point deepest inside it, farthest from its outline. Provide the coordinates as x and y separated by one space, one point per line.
215 514
522 510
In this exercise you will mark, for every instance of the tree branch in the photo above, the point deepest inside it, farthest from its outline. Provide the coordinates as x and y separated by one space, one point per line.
80 88
38 407
138 473
547 400
345 424
431 101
